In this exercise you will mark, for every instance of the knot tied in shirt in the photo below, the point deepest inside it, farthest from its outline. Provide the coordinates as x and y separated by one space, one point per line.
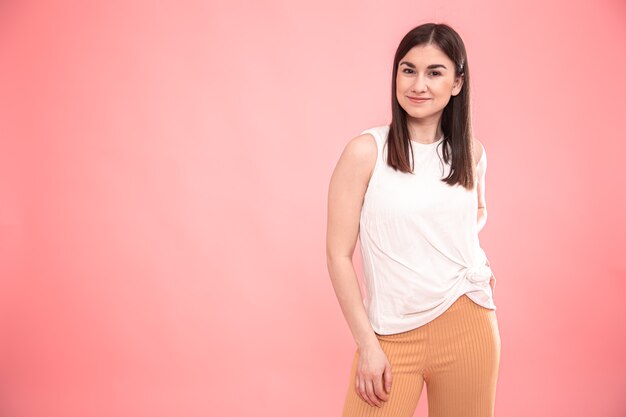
480 274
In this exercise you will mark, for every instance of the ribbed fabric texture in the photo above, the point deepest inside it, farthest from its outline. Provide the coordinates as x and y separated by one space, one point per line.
457 355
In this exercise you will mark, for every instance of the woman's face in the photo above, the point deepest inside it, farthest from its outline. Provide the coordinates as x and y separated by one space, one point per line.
425 71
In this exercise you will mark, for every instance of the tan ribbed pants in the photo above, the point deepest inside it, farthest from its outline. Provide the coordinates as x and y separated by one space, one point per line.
457 355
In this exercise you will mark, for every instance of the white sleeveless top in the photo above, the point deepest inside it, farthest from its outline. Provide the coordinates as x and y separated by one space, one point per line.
419 241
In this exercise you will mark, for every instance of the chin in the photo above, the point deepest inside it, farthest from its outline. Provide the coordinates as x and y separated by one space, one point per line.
421 115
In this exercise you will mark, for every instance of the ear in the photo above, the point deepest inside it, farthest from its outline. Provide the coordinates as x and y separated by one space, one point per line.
458 84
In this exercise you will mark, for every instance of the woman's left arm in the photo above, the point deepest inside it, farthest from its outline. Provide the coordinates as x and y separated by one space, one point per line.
481 170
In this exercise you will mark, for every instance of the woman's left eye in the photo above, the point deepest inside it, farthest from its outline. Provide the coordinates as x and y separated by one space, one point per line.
436 72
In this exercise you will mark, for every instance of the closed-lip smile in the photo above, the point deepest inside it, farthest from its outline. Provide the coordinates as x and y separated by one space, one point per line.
418 98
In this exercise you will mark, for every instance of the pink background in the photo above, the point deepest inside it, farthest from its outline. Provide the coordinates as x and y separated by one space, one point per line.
163 179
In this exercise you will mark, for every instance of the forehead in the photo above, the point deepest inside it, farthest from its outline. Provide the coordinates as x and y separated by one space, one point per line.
425 55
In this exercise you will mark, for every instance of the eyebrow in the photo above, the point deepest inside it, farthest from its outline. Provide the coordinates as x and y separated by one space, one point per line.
428 67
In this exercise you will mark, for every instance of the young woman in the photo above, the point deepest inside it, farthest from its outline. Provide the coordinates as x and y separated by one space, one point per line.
413 192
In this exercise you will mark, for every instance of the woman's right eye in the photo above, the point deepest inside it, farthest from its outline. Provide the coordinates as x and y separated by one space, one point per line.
406 69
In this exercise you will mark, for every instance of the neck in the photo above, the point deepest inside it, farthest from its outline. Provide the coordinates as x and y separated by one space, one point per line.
427 131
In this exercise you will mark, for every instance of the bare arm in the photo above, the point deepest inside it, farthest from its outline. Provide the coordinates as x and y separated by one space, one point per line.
481 170
347 188
346 191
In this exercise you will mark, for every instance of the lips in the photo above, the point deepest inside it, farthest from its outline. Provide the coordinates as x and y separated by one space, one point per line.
417 99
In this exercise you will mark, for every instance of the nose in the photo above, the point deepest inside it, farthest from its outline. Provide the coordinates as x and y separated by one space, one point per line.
420 83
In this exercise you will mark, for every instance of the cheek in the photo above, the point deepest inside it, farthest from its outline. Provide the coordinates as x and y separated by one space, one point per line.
401 83
442 89
399 90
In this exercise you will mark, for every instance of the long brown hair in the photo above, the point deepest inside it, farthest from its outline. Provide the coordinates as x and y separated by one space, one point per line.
456 117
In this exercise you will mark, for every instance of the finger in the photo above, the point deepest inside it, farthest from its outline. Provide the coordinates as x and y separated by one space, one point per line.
369 386
361 391
379 391
387 378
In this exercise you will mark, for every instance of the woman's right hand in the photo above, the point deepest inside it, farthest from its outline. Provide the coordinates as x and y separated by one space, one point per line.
373 376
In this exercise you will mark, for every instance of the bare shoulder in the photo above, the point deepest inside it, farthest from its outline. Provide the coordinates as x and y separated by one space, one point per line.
478 150
362 147
360 154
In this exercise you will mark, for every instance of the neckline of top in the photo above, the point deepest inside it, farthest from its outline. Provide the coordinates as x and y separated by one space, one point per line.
428 144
